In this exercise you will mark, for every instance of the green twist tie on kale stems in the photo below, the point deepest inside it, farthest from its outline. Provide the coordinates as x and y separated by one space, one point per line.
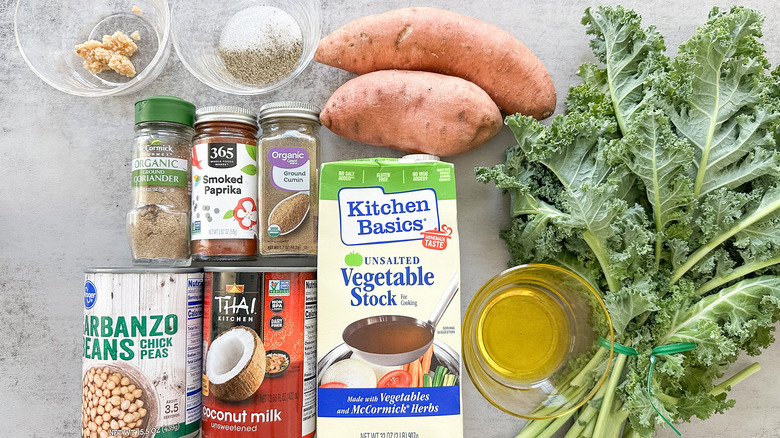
657 351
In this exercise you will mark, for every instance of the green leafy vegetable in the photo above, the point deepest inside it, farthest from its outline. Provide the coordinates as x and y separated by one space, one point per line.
660 185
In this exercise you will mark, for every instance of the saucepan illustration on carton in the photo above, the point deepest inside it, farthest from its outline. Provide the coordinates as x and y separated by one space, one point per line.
396 339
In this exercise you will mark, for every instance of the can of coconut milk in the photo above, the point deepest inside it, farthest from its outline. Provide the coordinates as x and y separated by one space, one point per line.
142 352
259 365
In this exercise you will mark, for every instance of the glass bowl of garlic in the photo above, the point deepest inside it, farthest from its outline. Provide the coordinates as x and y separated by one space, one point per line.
93 49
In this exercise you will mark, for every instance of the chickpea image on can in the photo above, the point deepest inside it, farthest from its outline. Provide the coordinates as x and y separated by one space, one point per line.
111 402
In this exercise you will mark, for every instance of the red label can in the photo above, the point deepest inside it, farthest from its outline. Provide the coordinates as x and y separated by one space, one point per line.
259 365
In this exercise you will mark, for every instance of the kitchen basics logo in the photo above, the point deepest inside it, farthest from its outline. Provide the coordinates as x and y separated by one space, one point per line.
369 215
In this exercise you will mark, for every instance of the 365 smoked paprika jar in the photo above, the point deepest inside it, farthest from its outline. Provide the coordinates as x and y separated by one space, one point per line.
224 178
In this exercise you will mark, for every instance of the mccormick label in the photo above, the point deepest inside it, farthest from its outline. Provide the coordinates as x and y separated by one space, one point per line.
142 352
388 339
259 367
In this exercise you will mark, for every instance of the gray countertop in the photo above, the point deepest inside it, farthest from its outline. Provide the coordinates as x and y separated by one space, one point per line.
64 194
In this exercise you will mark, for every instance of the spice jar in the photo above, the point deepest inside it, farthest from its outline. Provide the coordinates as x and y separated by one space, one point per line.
289 150
224 199
158 224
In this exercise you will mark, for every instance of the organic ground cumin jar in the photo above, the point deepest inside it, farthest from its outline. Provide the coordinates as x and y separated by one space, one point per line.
158 224
289 150
224 196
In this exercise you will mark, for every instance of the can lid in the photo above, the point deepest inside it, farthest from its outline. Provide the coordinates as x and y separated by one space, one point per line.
289 109
279 269
140 270
164 109
225 113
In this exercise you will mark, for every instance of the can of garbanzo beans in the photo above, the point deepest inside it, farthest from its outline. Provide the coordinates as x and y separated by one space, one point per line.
259 352
142 353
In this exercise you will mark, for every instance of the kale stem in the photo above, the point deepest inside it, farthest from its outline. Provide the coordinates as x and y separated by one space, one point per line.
736 378
533 428
751 219
600 252
606 406
579 379
588 413
589 429
735 274
616 421
628 432
557 424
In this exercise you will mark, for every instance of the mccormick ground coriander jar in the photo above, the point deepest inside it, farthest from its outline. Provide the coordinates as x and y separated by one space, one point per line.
158 224
289 151
224 198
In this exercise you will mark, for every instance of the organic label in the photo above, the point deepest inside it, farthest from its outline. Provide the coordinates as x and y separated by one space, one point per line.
289 168
159 171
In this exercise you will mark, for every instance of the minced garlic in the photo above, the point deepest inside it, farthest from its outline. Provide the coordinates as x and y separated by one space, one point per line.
113 53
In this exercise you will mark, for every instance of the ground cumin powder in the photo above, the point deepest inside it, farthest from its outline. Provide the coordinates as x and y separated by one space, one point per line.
289 213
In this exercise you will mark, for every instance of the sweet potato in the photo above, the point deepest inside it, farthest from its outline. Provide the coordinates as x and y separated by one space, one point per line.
413 111
441 41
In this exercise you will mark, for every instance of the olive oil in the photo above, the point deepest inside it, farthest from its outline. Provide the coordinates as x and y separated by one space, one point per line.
524 334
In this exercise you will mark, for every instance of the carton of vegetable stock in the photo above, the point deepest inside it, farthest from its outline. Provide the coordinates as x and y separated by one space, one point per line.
388 325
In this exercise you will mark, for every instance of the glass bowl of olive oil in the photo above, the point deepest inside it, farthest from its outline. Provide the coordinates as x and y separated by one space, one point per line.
531 341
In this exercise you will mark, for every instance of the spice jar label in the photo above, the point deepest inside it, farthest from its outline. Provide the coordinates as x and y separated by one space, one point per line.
289 168
224 191
159 171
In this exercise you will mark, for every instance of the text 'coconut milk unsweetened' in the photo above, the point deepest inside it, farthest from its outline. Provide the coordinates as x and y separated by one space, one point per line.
259 362
388 337
142 352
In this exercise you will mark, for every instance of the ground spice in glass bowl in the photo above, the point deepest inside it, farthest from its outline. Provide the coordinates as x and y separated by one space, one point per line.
248 47
260 45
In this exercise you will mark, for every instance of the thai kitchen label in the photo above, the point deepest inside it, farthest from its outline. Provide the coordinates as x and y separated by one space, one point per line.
224 191
388 338
259 368
142 353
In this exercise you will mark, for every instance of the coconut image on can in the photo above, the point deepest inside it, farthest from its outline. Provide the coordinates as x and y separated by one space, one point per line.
236 364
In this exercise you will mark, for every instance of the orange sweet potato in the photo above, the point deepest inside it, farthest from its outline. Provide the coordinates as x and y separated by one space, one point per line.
413 111
441 41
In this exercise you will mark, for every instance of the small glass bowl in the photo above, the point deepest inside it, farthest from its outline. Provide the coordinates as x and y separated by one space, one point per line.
48 31
530 341
197 27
